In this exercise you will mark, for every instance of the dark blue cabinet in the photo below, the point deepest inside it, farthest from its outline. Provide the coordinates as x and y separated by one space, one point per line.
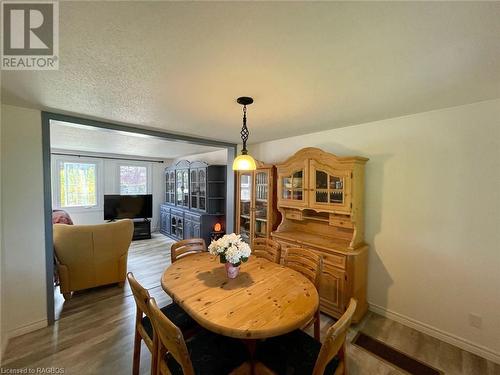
195 200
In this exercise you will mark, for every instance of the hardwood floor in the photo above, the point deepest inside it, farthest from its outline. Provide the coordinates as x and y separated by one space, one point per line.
94 333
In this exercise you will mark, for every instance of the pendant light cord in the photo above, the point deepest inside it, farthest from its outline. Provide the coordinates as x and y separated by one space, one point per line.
244 131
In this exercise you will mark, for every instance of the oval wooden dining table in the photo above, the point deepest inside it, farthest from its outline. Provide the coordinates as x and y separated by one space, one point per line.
265 300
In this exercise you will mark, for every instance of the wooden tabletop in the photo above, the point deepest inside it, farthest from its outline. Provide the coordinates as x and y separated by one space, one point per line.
265 300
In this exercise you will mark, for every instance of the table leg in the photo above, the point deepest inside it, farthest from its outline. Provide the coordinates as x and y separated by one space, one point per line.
251 345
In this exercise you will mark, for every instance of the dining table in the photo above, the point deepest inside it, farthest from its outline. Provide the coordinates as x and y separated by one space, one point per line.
265 300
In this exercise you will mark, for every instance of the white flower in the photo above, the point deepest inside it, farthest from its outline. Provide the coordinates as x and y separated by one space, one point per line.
234 249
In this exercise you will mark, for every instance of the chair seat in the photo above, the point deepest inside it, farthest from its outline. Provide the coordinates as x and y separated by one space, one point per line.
292 354
211 354
176 315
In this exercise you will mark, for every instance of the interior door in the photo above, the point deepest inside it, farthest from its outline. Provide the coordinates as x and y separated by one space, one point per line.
261 205
244 223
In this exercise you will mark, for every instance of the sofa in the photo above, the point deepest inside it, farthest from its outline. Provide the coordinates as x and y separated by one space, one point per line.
88 256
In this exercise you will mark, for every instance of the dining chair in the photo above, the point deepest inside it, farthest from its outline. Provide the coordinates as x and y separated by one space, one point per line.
204 353
299 353
187 247
143 326
267 248
310 265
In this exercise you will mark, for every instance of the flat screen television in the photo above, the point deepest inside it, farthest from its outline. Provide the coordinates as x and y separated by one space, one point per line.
128 206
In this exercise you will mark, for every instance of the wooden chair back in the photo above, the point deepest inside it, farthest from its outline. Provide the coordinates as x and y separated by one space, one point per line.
187 247
141 297
334 343
306 262
168 339
267 248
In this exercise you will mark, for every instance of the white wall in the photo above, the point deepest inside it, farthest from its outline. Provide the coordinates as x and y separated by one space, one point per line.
3 336
213 157
432 216
111 185
23 221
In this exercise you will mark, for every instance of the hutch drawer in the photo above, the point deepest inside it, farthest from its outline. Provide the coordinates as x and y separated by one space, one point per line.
334 260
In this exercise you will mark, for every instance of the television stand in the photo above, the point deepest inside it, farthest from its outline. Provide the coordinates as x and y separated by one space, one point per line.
142 229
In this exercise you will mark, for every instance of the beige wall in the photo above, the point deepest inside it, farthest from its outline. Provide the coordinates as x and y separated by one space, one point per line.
22 219
432 216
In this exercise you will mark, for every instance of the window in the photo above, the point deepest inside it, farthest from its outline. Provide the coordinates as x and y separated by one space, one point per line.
77 182
133 179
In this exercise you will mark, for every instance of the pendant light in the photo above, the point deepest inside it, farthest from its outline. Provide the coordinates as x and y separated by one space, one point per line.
244 162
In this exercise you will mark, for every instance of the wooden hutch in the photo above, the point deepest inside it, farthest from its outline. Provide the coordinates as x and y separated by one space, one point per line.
256 210
320 197
195 200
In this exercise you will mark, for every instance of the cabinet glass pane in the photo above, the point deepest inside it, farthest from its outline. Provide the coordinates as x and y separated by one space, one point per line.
261 203
194 190
185 185
180 228
292 186
245 189
286 192
297 180
336 197
322 196
202 181
179 188
336 182
321 180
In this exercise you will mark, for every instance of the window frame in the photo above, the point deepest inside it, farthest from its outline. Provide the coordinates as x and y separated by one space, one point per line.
56 190
149 179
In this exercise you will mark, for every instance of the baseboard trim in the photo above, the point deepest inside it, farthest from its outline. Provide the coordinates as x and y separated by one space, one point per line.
26 329
449 338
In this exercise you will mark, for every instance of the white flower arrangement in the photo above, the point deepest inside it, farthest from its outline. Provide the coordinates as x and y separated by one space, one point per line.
231 249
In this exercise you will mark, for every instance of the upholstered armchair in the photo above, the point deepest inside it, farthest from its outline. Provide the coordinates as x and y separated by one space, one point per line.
91 255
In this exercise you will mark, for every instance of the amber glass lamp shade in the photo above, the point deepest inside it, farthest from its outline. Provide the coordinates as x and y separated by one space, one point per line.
244 162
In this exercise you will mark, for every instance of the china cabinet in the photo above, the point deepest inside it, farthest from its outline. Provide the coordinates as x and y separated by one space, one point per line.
320 198
195 200
256 210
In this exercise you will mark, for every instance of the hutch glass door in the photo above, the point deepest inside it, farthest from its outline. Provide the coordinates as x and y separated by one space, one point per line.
261 203
185 185
202 181
179 189
195 189
171 187
330 187
167 187
244 219
292 187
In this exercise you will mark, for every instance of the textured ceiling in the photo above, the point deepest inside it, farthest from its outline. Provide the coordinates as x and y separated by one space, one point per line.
309 65
65 136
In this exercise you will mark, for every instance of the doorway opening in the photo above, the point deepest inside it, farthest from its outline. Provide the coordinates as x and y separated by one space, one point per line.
92 166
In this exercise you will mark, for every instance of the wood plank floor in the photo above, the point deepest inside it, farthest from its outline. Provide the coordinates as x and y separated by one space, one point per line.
94 333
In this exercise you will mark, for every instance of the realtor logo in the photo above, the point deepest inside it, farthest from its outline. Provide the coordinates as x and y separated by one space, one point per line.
30 39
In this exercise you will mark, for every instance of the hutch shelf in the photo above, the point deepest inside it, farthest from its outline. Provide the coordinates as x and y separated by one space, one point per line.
320 198
256 211
195 200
